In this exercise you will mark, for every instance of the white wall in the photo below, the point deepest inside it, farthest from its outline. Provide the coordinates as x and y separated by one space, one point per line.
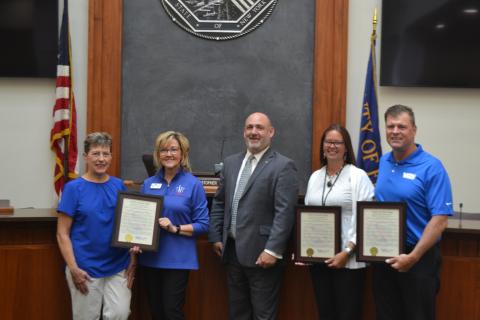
26 162
447 119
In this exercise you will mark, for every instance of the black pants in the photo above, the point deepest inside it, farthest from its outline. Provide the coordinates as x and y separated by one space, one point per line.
166 292
338 292
253 291
408 295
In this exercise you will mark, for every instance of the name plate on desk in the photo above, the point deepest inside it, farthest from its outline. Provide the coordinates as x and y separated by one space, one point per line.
210 182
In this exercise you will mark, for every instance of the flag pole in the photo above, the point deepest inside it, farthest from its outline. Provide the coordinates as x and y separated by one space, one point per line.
369 145
373 43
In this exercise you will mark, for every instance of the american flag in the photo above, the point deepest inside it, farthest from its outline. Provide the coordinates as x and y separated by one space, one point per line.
63 136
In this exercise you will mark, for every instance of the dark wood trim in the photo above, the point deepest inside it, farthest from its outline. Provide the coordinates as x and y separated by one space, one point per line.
104 70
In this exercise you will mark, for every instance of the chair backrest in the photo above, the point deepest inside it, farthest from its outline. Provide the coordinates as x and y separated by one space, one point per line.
147 159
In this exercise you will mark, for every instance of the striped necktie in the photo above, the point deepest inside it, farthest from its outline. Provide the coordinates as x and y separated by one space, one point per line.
244 176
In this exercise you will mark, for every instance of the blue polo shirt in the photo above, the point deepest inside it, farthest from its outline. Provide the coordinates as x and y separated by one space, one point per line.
421 182
184 202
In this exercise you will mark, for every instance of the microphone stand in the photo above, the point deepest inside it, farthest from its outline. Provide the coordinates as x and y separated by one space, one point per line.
460 215
219 166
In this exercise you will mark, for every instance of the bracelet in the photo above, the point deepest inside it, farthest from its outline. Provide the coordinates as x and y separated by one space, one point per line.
178 229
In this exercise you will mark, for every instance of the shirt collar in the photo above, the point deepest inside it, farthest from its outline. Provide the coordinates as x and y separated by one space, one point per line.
161 173
257 156
410 159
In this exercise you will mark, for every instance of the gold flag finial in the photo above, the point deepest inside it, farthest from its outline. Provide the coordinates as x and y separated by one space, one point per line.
374 31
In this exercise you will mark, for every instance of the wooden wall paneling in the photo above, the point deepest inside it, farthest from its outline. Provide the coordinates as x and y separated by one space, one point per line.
105 72
469 246
459 296
449 245
330 70
207 294
40 232
297 300
31 273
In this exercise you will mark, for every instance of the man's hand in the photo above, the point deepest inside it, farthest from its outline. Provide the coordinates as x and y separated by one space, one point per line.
80 279
266 260
402 263
338 261
218 248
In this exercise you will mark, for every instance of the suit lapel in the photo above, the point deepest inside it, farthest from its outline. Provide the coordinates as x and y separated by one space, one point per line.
264 161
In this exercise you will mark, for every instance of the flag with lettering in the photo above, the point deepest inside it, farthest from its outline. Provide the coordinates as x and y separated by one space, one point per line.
63 136
369 145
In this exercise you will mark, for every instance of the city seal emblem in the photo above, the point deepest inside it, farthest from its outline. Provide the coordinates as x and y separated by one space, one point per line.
219 19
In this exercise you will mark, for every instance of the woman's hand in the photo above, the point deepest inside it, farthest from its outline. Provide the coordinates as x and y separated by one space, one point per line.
80 279
135 250
167 225
338 261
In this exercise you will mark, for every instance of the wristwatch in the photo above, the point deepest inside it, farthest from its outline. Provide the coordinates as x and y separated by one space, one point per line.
178 229
348 250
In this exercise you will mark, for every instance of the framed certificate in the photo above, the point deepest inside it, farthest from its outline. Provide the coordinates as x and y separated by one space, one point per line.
380 230
317 233
136 221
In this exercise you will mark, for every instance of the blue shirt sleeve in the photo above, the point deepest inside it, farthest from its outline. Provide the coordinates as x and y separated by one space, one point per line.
68 200
200 216
439 193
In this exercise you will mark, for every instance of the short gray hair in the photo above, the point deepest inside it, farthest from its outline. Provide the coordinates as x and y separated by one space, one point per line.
102 139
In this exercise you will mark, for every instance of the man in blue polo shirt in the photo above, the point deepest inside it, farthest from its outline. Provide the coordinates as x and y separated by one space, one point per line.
405 286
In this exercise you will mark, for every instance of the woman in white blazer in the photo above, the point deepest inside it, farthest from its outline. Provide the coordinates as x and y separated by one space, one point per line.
339 282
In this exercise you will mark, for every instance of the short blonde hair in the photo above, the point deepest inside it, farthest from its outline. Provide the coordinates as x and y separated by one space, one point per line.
162 141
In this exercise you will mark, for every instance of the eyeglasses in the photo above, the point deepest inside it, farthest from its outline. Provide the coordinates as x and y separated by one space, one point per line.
98 154
333 143
172 151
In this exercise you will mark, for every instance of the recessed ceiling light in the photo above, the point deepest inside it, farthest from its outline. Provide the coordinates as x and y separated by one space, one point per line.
470 11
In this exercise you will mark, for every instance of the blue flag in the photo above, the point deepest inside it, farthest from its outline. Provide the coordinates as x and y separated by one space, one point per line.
369 146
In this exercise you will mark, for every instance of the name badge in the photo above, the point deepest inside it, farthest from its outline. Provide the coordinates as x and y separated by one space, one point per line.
155 186
409 176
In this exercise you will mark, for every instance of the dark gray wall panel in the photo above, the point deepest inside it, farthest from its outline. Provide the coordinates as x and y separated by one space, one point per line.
173 80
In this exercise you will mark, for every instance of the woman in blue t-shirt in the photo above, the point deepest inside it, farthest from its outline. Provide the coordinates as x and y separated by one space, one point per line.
184 216
99 276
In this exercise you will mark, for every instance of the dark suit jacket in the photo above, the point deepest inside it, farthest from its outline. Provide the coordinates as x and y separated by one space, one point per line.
266 211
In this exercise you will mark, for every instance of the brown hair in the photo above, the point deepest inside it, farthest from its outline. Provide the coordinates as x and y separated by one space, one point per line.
350 156
396 110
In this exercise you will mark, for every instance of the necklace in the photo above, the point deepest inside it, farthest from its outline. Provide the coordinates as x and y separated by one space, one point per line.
329 184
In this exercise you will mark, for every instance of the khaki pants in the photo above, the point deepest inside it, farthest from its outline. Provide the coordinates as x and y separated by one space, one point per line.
111 292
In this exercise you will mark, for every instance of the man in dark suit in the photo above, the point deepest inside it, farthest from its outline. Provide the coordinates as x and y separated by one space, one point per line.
251 220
